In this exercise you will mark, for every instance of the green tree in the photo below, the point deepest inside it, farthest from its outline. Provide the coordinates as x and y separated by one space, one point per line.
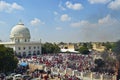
8 62
50 48
84 50
108 45
116 50
89 45
56 48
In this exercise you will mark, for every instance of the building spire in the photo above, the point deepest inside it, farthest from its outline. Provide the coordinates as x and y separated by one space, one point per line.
20 22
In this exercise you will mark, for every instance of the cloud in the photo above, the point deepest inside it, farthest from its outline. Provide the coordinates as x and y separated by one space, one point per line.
58 28
80 23
7 7
107 20
55 13
114 5
60 6
65 17
36 22
76 6
99 1
106 29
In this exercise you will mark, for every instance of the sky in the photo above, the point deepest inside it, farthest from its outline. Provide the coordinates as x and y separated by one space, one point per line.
62 20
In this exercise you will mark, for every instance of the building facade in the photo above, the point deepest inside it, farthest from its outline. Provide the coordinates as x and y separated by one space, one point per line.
20 41
67 48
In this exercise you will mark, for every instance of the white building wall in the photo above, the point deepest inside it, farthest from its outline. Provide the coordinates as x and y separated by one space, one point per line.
25 48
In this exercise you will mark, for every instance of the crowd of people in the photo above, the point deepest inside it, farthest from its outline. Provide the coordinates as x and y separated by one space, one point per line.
64 61
74 61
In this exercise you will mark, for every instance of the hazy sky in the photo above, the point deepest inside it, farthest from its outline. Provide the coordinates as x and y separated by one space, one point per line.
62 20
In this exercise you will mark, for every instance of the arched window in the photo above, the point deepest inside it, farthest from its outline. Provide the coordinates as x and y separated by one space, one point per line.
34 47
23 48
38 52
19 48
25 40
24 54
29 53
29 47
34 52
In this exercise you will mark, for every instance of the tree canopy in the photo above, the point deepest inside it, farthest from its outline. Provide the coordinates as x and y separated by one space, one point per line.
50 48
116 50
8 62
84 50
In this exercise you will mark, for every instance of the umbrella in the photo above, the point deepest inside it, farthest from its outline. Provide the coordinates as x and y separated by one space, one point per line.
23 64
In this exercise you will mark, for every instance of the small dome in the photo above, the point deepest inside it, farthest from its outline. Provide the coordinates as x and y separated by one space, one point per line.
20 31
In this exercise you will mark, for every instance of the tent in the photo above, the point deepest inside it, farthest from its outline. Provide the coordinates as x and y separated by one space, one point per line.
23 64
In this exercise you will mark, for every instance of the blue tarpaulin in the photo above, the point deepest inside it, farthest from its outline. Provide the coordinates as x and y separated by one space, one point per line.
23 64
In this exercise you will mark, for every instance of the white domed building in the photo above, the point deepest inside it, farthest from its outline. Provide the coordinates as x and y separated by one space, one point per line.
20 41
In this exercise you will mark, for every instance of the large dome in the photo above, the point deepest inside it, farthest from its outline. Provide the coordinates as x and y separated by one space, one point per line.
19 31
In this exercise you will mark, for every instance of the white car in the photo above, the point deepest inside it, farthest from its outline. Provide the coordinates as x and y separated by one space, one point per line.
17 77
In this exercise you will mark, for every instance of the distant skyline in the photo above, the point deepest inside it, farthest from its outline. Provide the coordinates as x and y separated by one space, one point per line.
63 20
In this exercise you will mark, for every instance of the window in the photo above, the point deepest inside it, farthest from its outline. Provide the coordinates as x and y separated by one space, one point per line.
34 52
19 48
25 40
29 47
24 54
38 52
66 47
34 47
23 48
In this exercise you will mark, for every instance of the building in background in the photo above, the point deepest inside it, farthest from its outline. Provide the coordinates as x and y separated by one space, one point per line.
20 41
98 46
67 47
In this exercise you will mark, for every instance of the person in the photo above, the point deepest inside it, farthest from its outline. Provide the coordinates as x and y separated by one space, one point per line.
46 77
40 76
52 76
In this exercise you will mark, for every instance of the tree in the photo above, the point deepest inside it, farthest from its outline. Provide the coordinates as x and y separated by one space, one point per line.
84 50
56 48
89 45
50 48
62 43
108 45
116 49
8 62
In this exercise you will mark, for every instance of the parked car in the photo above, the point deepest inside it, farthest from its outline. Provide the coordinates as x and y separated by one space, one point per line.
17 77
2 76
9 78
26 77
